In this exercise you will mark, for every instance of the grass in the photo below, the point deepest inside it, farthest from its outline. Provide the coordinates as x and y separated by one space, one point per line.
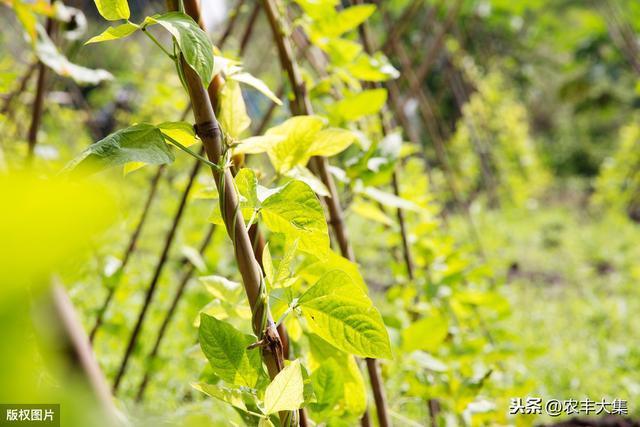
571 276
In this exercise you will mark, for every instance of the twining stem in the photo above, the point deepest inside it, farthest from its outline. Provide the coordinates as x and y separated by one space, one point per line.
155 278
301 105
131 247
208 129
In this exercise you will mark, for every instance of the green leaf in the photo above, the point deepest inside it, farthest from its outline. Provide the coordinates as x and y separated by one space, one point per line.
303 174
299 132
354 394
387 199
258 144
332 261
192 41
286 391
339 311
345 20
240 397
294 149
247 186
328 385
233 112
52 58
318 9
139 143
27 18
295 211
114 33
182 132
329 142
370 211
226 349
375 68
222 288
425 334
257 84
113 10
359 105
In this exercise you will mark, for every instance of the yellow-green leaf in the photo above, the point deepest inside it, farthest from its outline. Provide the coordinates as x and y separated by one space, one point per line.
233 112
286 391
425 334
359 105
113 10
226 350
257 84
114 33
295 211
340 312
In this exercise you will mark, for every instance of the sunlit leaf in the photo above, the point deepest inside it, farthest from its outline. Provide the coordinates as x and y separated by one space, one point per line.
295 211
257 84
114 33
359 105
113 10
233 111
192 41
286 391
425 334
226 350
139 143
339 311
49 55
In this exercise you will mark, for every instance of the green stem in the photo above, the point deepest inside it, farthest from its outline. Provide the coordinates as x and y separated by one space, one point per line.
193 153
155 40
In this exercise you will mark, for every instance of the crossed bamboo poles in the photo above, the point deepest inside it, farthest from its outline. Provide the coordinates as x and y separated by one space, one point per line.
302 105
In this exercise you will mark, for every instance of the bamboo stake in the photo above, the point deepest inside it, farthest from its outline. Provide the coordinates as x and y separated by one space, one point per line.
208 130
131 247
22 85
301 105
155 278
38 102
186 276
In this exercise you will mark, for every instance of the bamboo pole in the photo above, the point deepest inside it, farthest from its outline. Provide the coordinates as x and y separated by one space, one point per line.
301 105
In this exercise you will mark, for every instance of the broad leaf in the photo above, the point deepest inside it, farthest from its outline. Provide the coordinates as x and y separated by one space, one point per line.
139 143
354 392
328 385
257 84
314 271
226 350
425 334
329 142
114 33
258 144
345 20
339 311
233 112
247 186
240 398
182 132
295 211
286 391
113 10
303 174
359 105
52 58
294 149
192 41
